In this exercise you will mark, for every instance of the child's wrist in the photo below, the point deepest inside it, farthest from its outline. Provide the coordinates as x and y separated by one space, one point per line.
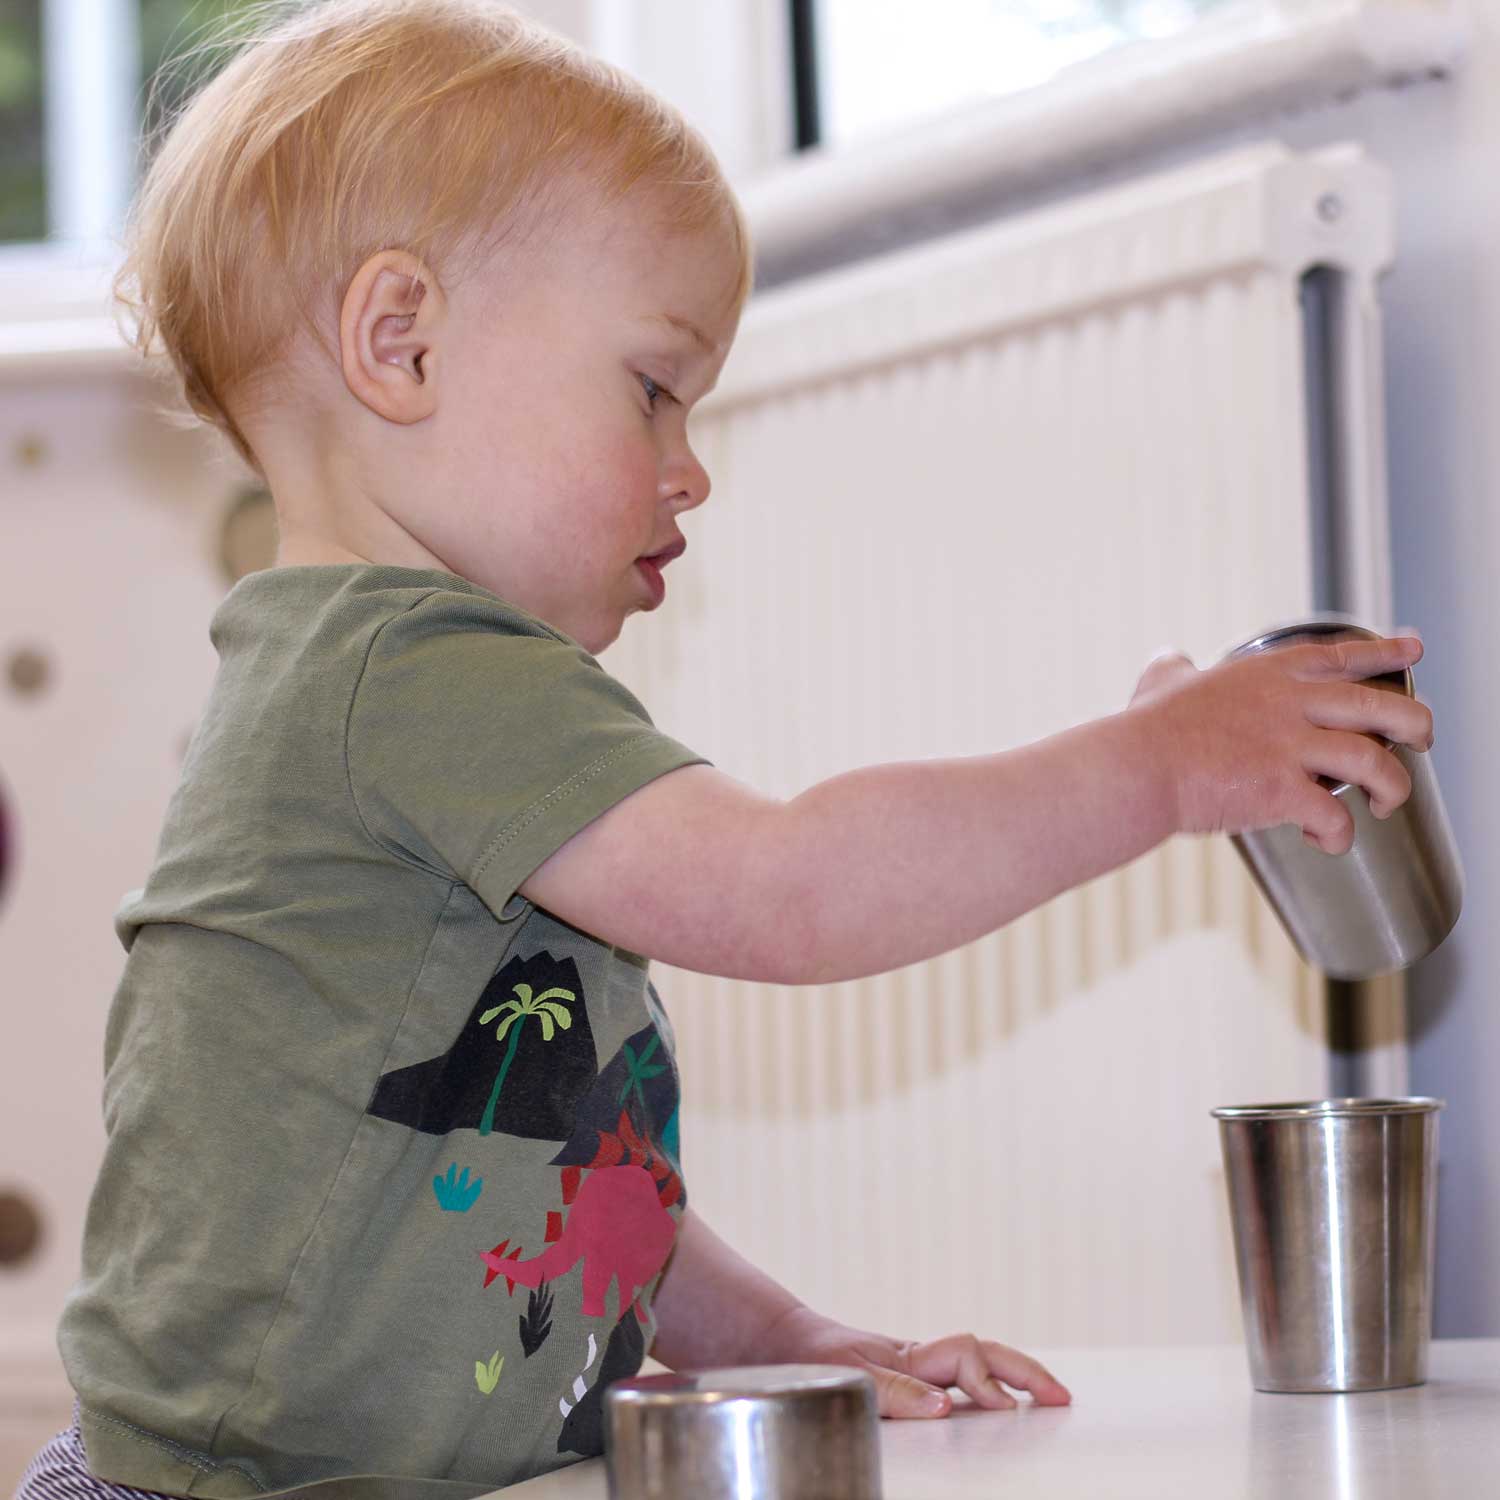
780 1339
1155 758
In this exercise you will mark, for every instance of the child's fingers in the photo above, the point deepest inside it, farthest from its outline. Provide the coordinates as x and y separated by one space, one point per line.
976 1366
959 1360
1352 657
1024 1373
1360 761
1372 710
1325 822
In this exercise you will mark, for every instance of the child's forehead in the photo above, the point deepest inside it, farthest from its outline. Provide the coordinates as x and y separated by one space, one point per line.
630 252
641 239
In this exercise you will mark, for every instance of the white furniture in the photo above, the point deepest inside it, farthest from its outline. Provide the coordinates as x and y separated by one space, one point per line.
1158 1424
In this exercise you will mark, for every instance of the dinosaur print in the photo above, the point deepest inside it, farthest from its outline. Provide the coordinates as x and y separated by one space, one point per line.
580 1385
617 1227
623 1147
583 1427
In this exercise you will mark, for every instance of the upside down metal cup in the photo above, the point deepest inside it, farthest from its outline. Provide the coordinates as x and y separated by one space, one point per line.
1332 1206
1397 891
764 1432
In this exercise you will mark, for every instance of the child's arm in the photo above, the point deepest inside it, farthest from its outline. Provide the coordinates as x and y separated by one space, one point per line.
713 1308
892 864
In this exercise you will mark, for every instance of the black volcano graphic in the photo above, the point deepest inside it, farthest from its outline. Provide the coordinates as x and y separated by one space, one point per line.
641 1082
520 1072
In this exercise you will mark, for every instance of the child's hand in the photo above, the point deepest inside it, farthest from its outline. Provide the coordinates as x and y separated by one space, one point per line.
912 1380
1246 739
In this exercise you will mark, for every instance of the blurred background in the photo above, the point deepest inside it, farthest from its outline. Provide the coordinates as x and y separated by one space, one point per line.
1083 328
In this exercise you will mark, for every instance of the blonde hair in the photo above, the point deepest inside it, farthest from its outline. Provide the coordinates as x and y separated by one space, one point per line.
345 127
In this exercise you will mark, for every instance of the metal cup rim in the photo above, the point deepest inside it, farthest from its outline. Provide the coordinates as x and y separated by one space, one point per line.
1317 1109
752 1383
1318 622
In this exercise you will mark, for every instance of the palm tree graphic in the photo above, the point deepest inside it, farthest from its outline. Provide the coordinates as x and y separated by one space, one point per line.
637 1073
545 1008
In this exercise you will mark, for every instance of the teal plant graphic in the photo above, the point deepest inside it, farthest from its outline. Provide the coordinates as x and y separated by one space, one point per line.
457 1195
636 1070
487 1376
546 1009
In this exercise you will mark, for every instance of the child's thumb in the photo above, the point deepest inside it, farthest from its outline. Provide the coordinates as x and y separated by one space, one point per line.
905 1396
1164 668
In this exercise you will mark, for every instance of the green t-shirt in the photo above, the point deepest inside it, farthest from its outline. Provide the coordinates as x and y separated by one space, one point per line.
392 1164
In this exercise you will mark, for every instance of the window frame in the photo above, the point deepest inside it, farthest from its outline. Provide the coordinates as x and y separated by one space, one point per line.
807 122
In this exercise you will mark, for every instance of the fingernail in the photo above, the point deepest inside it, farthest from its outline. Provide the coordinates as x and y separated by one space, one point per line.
934 1402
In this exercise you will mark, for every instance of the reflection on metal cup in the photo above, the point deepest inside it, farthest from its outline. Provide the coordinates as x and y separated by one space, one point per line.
1332 1206
1396 893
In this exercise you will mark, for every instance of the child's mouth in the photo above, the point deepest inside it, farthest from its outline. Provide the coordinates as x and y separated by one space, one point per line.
650 569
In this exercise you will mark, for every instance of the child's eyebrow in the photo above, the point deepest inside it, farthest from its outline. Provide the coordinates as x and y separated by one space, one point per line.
682 325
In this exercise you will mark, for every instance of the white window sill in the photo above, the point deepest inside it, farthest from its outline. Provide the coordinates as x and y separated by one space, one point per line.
1241 64
55 312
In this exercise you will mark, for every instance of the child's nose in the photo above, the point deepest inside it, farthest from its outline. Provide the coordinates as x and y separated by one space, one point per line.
685 481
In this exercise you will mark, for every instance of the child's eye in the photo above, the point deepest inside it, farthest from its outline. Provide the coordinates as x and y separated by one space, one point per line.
655 392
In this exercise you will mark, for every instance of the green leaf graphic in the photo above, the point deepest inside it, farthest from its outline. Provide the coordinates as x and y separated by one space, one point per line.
487 1377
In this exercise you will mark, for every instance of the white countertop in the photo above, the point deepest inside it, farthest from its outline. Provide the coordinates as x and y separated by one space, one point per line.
1159 1424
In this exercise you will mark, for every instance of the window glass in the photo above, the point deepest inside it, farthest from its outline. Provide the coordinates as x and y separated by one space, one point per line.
170 28
23 200
167 29
883 63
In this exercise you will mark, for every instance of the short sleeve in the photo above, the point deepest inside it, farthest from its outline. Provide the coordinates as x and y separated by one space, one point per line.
479 741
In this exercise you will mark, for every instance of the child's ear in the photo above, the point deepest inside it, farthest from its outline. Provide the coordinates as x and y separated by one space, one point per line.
389 327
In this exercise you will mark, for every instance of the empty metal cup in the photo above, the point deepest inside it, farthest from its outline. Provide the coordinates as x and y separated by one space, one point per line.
1396 893
766 1432
1332 1207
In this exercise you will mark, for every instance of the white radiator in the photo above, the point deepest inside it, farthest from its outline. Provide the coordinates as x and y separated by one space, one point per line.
961 496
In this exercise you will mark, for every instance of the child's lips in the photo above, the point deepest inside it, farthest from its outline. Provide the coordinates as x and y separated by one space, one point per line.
662 558
650 569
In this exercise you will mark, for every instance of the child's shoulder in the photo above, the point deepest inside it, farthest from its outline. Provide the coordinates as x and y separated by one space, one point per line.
301 602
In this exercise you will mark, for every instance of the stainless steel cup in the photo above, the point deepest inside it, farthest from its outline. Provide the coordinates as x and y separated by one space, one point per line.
1332 1206
766 1432
1396 893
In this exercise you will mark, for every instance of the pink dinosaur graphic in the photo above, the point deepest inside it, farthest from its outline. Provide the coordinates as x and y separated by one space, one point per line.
616 1227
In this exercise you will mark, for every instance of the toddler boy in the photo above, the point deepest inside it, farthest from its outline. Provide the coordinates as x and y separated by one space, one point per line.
393 1184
